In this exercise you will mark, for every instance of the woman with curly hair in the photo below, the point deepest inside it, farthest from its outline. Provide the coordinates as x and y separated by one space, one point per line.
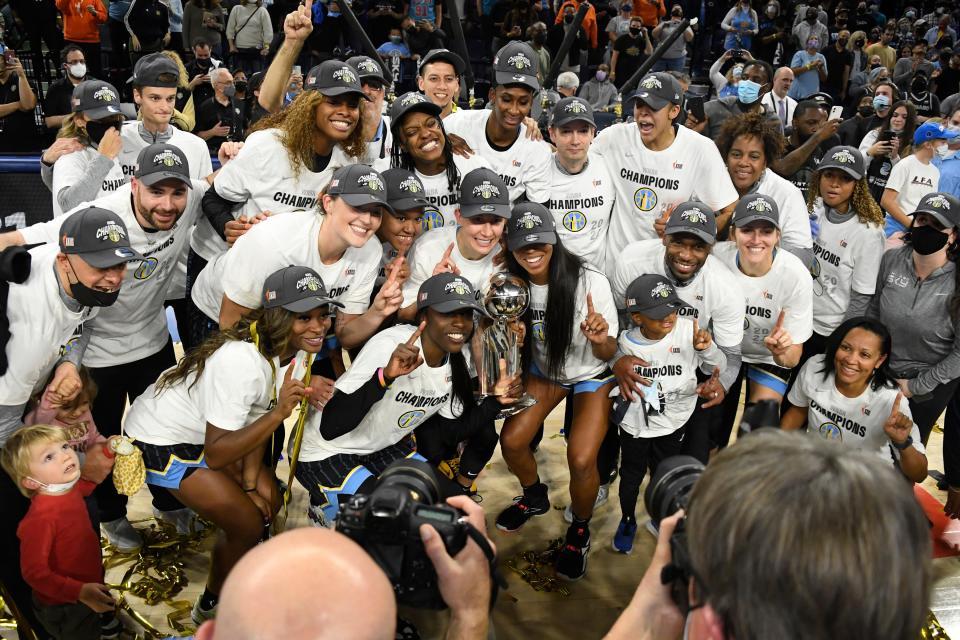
748 144
203 426
883 146
847 243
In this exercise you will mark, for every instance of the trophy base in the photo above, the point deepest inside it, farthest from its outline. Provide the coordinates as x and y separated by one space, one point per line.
525 401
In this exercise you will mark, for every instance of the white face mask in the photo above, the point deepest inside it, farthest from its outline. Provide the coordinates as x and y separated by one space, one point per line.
77 70
945 152
58 487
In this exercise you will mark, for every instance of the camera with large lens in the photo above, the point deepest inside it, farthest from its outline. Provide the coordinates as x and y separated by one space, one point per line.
668 492
386 523
15 265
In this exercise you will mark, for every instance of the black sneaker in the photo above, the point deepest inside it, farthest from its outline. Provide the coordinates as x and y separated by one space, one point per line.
532 503
572 559
110 626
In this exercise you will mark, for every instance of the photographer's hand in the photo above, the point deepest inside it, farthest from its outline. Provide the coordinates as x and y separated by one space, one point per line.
464 580
652 614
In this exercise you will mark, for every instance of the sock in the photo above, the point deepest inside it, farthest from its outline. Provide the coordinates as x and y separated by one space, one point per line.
208 600
632 519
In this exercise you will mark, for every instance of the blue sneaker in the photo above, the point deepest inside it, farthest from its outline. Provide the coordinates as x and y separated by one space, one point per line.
623 538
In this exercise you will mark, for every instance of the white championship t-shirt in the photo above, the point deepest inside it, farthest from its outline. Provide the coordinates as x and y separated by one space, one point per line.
235 390
708 293
135 326
278 242
445 202
648 181
785 286
523 166
407 403
854 422
794 219
69 170
427 252
847 258
581 206
579 361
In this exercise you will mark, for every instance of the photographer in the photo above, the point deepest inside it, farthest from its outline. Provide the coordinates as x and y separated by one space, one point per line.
851 528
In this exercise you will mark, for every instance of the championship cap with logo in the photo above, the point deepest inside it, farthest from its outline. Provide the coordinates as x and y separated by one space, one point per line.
517 63
756 207
156 70
296 289
334 78
96 100
531 223
933 131
442 55
98 236
410 102
367 68
652 295
159 162
846 159
694 218
483 192
404 189
360 185
657 90
571 109
942 206
446 292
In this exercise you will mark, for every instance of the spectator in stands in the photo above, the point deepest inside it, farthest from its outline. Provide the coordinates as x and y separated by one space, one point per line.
148 23
516 22
559 31
81 26
777 101
741 24
811 27
771 37
598 90
537 39
926 102
861 20
936 34
426 11
878 76
857 46
649 12
249 34
675 57
754 83
810 69
619 24
394 47
119 38
811 135
175 24
422 36
38 18
852 130
203 19
949 162
589 23
383 15
199 71
888 55
18 131
839 60
907 68
883 155
220 118
629 52
56 102
567 84
948 77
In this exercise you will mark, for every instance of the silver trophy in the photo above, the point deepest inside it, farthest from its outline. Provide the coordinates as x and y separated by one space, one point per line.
505 298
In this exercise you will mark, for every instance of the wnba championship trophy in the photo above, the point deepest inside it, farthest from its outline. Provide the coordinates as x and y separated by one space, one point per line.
505 298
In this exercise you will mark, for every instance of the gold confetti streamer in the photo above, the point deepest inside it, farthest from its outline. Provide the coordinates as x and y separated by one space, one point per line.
536 568
932 630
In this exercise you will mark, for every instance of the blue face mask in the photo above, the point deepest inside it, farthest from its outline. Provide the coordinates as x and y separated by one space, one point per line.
880 103
333 14
748 91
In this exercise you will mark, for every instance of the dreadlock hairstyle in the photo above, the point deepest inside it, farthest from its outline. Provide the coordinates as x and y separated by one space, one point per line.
298 129
861 202
400 157
271 335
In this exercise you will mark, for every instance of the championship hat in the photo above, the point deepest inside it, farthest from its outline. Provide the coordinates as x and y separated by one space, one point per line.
404 189
483 192
695 218
446 292
98 236
652 295
159 162
360 186
754 207
517 63
531 223
846 159
296 289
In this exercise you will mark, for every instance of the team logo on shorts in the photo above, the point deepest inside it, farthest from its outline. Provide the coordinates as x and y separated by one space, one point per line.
938 202
368 66
309 282
645 199
662 290
694 215
529 221
576 106
760 206
104 94
574 221
112 232
519 62
486 190
167 158
411 419
412 98
345 75
651 82
844 156
371 181
432 219
830 431
458 287
411 185
146 268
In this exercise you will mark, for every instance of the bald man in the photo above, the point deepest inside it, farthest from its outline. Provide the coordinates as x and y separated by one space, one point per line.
777 101
317 584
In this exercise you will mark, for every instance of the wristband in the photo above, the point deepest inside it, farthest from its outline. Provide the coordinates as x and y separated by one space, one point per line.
382 378
906 444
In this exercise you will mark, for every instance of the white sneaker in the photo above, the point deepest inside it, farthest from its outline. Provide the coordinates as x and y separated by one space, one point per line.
183 519
199 615
603 494
317 518
653 529
121 534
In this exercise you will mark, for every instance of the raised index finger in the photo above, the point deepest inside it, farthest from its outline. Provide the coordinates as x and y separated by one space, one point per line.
896 404
446 254
416 334
590 310
780 318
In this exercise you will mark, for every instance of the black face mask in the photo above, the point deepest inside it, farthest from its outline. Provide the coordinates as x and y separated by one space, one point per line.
540 38
634 32
241 86
568 18
842 42
926 240
89 297
866 111
874 66
918 86
860 43
96 131
204 63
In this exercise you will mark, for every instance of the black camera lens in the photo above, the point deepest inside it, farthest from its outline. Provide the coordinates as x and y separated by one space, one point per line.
15 265
416 477
670 486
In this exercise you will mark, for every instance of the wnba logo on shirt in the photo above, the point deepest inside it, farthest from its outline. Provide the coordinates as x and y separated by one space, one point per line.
411 419
146 269
645 199
432 219
574 221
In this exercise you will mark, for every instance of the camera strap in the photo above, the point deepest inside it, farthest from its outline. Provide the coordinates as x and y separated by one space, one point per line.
497 580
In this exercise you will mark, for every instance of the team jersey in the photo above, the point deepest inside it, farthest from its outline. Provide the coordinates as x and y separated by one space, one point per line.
708 293
671 398
579 361
262 178
581 206
794 219
846 258
785 286
135 326
69 170
444 201
407 403
648 181
237 388
523 165
278 242
427 252
854 422
40 323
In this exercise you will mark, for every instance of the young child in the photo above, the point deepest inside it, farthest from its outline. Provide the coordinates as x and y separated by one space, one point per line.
73 417
652 426
59 550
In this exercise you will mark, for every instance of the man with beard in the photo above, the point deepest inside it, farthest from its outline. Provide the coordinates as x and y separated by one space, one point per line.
199 71
812 134
753 85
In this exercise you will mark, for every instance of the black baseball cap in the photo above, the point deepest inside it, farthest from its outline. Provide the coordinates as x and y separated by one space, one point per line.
442 55
296 289
360 185
694 218
446 292
333 78
404 189
754 207
844 158
156 70
572 109
531 223
99 237
483 192
411 101
657 90
944 207
517 63
367 68
825 100
96 100
159 162
652 295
